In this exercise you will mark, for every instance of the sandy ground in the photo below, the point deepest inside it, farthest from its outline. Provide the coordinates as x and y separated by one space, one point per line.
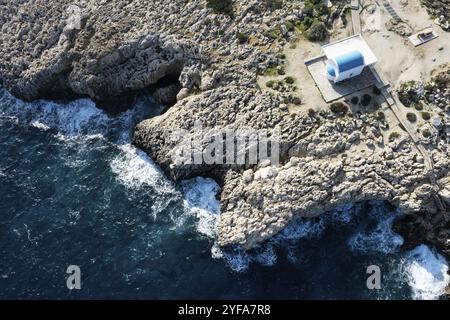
399 60
296 53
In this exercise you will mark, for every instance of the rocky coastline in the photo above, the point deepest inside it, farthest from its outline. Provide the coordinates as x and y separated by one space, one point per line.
204 64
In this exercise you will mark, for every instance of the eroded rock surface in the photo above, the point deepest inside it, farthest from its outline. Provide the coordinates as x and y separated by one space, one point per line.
110 49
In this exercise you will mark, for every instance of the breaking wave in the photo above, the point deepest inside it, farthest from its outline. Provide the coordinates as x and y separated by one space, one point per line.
361 229
426 273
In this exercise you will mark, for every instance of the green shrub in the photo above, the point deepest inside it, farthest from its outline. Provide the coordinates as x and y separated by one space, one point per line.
273 34
426 133
273 4
418 107
339 107
271 72
307 22
270 83
317 32
393 136
425 116
289 25
297 101
322 9
242 38
308 10
380 116
411 117
289 80
221 6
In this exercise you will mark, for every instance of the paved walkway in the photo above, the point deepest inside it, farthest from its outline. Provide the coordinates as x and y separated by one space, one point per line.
356 21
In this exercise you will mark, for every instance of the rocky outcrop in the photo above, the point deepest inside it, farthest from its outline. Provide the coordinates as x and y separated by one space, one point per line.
206 64
97 49
320 168
440 10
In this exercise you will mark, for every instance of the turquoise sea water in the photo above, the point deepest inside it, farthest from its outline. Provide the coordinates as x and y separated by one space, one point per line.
74 191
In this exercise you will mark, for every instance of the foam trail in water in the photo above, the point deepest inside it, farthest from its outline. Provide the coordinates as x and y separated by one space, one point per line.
200 200
426 273
381 238
134 169
78 118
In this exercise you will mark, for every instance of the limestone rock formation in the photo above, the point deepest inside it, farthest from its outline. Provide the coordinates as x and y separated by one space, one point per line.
206 63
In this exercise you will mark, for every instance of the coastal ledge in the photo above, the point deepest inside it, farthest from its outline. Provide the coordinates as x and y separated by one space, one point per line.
109 50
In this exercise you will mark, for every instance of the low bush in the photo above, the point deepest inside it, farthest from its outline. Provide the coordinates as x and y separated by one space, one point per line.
339 107
242 38
317 32
289 80
380 116
393 136
270 83
426 133
425 116
411 117
221 6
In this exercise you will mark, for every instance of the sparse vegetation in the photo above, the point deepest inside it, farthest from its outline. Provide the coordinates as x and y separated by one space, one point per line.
394 136
270 83
273 4
289 26
425 115
411 117
221 6
273 34
317 32
242 38
380 116
281 71
426 133
289 80
418 107
339 107
272 71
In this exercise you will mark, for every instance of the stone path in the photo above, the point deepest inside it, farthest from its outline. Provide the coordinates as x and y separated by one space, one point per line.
399 109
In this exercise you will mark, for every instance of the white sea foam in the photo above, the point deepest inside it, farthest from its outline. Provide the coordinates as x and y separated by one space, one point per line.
200 200
237 259
426 273
301 228
267 256
381 238
39 125
76 118
134 168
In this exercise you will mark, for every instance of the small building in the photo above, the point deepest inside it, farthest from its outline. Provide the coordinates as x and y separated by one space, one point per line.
347 58
354 4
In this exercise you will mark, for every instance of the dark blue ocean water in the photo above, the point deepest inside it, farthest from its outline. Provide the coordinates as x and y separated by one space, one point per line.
73 191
